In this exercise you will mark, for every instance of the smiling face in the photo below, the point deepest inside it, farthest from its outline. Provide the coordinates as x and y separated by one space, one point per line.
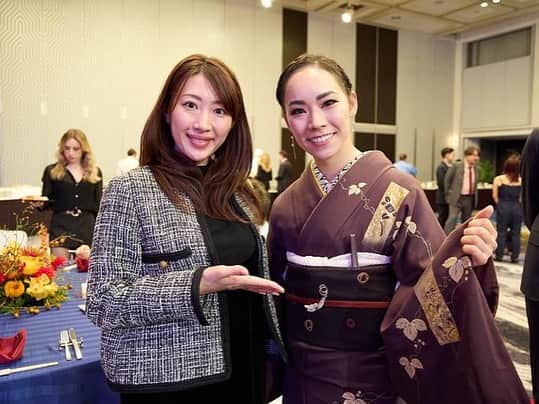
72 151
318 113
199 122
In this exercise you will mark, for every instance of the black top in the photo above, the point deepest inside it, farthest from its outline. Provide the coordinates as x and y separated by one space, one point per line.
509 194
529 170
264 176
284 177
441 170
66 194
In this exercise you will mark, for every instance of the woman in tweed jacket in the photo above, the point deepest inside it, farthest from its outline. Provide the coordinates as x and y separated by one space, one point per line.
177 256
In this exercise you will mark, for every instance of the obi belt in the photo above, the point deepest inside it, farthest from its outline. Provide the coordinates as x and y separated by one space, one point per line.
339 308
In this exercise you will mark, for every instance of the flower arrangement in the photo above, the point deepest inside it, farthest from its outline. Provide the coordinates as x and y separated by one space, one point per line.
27 277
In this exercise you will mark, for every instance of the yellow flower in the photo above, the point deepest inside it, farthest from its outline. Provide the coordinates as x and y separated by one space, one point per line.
31 264
14 289
37 287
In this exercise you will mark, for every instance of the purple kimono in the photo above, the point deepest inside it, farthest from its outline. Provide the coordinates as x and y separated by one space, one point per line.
379 305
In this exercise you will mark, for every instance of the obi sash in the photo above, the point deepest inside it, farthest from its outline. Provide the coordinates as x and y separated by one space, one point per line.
339 308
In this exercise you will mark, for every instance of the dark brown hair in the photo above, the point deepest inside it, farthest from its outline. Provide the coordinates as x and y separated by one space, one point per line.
470 150
319 61
511 168
446 150
229 167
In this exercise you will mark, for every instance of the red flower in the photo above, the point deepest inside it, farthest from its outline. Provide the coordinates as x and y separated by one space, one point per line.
58 262
48 270
3 278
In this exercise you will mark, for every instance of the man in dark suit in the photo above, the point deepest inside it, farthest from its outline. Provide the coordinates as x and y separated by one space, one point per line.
529 170
460 186
441 205
284 176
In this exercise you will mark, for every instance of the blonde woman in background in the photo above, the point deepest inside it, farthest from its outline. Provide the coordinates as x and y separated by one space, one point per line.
74 186
264 172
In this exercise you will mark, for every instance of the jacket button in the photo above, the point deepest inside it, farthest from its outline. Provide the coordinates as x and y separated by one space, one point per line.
163 264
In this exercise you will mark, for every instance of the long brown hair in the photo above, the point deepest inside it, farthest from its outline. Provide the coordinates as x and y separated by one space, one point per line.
228 168
90 172
511 168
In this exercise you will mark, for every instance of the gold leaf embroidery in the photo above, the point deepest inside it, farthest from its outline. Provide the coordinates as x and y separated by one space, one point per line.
384 217
439 317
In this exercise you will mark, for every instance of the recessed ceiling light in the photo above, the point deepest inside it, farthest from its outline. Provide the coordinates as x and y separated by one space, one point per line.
346 17
495 1
266 3
484 4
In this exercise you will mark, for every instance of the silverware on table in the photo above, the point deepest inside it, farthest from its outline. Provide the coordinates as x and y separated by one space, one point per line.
76 343
64 343
6 372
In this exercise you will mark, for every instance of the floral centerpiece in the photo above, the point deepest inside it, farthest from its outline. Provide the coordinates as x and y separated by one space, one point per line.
27 277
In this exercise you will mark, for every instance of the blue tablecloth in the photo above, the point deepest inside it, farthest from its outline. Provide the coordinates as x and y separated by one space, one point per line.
77 381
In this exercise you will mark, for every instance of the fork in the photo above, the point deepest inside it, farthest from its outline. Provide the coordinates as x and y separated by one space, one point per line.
64 341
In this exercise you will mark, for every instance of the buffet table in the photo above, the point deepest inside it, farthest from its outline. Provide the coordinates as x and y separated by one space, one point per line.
76 381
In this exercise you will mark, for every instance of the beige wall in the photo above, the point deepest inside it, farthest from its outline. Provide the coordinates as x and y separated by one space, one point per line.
425 77
99 65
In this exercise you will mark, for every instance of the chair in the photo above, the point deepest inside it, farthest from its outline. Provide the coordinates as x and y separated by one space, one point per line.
17 236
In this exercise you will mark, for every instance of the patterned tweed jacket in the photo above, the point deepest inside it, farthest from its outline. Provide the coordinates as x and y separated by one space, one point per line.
147 258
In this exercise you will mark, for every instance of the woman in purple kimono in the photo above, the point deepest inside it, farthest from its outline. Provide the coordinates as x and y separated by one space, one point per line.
379 305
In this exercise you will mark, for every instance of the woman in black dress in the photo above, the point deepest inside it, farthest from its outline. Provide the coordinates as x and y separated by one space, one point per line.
74 186
264 172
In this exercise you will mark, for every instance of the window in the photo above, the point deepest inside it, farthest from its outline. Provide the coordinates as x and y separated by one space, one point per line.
499 48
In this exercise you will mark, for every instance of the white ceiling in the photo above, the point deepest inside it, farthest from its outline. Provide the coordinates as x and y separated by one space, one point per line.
438 17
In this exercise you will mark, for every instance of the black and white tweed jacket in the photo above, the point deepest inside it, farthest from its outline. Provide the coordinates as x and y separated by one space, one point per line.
147 257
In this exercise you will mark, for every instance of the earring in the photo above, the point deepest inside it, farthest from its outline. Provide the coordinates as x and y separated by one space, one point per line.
293 146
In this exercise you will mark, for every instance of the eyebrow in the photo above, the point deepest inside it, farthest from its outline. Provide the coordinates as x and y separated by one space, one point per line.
318 98
200 98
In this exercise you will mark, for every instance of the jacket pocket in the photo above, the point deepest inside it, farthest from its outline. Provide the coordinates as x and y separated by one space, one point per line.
154 258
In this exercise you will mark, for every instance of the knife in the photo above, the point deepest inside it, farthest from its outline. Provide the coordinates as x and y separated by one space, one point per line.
6 372
75 342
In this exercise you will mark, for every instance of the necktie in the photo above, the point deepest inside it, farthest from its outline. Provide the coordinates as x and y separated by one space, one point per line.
470 181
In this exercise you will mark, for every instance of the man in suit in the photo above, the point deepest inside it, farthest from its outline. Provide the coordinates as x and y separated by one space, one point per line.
284 176
442 207
460 186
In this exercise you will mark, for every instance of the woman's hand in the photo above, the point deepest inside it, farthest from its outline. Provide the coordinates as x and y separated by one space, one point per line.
233 277
479 238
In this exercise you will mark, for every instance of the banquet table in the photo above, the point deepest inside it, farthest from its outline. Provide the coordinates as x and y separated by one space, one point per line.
76 381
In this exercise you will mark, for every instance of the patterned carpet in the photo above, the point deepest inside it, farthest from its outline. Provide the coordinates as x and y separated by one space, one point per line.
511 318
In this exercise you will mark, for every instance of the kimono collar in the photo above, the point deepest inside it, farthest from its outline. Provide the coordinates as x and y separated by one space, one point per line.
328 184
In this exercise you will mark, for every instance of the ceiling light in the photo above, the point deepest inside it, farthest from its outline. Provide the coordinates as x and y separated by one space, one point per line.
495 1
266 3
346 17
484 4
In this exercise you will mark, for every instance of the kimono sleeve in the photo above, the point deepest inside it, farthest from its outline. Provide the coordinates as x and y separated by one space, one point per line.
417 236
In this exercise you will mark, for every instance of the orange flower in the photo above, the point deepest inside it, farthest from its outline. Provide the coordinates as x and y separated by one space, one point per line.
31 264
14 289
